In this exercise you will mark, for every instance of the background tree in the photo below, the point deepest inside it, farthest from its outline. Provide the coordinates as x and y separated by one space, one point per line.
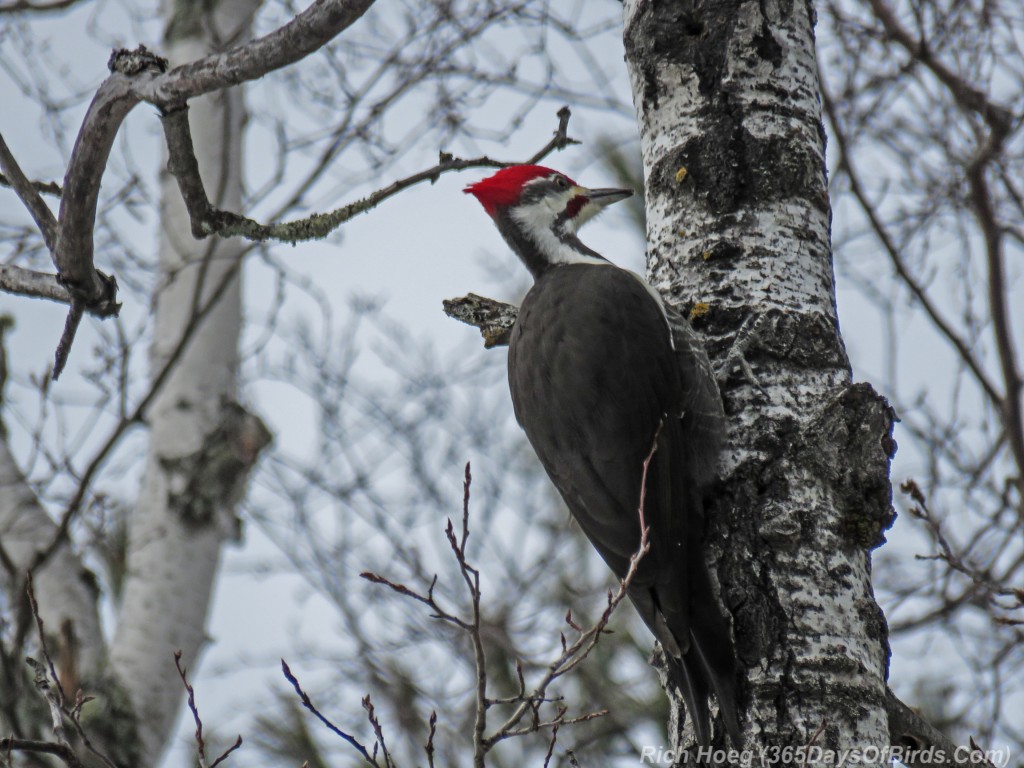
924 112
376 106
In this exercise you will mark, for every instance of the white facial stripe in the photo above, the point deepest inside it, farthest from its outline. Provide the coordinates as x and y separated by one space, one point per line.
537 221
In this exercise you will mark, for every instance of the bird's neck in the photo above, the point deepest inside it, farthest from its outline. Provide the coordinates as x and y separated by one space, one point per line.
544 248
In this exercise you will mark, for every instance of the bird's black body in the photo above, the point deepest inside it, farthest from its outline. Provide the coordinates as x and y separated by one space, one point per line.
588 339
599 370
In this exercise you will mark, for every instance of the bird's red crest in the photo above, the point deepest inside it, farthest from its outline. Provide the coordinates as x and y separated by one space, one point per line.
503 188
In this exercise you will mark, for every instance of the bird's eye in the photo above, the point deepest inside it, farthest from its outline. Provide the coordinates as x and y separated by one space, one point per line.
562 182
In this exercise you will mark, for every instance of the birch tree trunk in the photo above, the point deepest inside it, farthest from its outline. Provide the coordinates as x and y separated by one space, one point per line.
738 218
185 511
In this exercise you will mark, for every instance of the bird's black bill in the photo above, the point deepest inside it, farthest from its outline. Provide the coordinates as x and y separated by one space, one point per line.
609 196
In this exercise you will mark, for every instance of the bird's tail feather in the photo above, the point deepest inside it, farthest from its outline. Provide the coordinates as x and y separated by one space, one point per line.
695 678
694 690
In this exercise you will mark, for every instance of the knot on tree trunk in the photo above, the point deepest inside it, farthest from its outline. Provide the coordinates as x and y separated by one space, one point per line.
131 63
850 441
214 477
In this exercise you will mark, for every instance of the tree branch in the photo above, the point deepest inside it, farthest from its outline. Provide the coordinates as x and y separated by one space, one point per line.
306 33
115 98
26 191
42 187
21 6
65 753
916 289
207 220
39 285
969 98
992 232
909 731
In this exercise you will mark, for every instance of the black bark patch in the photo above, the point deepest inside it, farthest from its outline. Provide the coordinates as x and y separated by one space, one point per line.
212 478
693 34
726 169
723 252
850 444
808 340
765 44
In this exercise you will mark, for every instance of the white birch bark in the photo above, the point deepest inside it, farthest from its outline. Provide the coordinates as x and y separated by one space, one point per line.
182 519
65 589
738 226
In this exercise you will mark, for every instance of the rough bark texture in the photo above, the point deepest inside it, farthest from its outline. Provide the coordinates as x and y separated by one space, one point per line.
738 227
183 516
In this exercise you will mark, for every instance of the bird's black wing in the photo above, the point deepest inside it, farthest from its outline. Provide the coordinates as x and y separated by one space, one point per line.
592 375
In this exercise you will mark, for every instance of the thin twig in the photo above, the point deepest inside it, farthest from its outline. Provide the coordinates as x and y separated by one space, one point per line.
814 738
308 704
429 746
55 694
559 141
67 338
30 592
51 188
228 751
201 745
551 745
472 578
378 732
895 258
200 742
575 653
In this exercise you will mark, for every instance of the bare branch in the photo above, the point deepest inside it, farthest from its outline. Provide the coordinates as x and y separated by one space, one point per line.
559 141
472 579
26 191
67 338
574 654
308 704
967 96
42 187
73 251
28 282
208 220
992 233
909 730
895 258
378 732
53 698
22 6
228 751
60 697
200 741
303 35
65 753
429 746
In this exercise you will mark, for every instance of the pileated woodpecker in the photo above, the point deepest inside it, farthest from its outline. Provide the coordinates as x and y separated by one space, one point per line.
600 371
